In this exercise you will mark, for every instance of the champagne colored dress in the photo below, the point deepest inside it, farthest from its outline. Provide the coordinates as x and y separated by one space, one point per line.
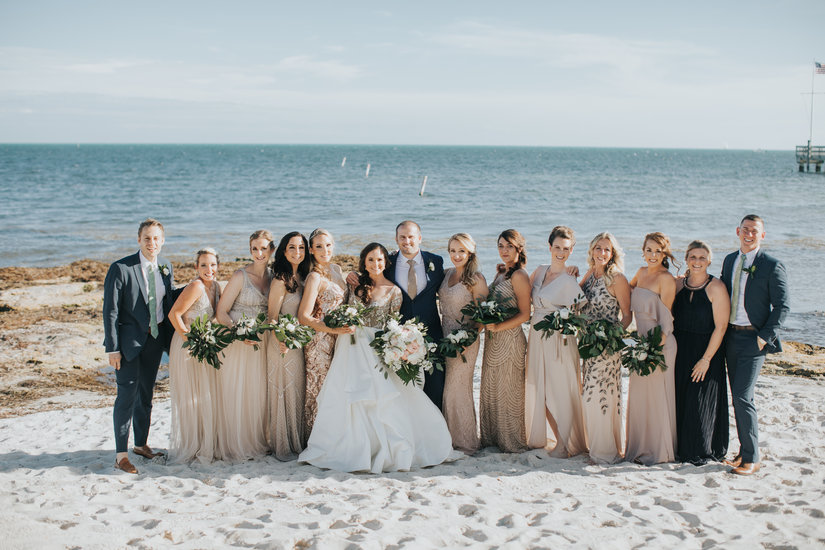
602 382
553 381
242 380
651 400
367 422
286 382
701 407
458 405
318 352
194 393
502 380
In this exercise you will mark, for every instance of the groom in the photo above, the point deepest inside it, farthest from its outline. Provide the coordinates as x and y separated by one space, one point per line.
137 297
758 289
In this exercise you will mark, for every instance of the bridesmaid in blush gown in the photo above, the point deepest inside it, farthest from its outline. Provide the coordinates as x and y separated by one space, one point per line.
502 370
608 294
323 292
194 385
367 422
651 399
553 383
701 312
286 376
242 378
462 284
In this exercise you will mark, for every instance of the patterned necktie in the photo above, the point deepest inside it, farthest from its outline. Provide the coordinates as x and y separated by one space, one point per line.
412 282
736 281
153 309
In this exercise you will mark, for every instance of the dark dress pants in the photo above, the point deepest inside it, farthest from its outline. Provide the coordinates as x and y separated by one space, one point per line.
744 361
135 385
434 386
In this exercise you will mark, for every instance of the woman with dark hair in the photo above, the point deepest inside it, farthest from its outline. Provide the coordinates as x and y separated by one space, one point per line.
286 375
651 399
366 421
501 402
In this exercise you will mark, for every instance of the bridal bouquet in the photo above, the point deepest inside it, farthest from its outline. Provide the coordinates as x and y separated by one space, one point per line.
599 337
488 311
250 329
406 350
206 340
289 331
454 343
564 320
644 353
347 315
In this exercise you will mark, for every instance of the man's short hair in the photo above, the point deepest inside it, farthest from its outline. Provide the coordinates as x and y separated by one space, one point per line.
149 222
405 223
753 218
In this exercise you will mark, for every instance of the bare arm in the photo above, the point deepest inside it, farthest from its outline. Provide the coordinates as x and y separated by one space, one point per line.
667 289
230 293
521 287
311 289
620 289
188 297
719 299
277 291
634 282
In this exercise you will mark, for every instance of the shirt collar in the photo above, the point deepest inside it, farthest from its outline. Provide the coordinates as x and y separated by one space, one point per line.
749 256
418 258
145 263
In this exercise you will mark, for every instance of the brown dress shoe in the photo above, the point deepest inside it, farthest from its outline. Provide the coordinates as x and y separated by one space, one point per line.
735 461
747 469
126 466
147 452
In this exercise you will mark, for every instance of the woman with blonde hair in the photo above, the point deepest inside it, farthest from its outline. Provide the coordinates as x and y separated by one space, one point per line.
651 399
463 283
608 298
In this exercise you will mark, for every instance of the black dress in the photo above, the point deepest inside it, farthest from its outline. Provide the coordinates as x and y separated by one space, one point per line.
701 407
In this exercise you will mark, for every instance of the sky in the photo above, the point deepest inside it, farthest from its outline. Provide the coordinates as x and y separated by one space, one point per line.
548 73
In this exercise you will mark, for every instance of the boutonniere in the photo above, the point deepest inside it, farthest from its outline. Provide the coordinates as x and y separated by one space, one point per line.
749 270
164 270
431 267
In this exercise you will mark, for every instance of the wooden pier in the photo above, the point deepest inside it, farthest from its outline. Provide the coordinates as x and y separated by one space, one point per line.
810 155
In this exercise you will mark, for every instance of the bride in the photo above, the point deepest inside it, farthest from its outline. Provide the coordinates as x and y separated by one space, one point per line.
367 422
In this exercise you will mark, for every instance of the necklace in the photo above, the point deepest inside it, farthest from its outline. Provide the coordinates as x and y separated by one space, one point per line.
698 287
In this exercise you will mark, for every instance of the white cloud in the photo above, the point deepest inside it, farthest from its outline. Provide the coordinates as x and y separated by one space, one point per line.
322 68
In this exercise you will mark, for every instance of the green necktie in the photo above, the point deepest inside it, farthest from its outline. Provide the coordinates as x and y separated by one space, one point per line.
736 278
153 300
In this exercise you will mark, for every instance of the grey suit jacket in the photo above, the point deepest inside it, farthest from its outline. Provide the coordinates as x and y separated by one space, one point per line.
125 313
767 301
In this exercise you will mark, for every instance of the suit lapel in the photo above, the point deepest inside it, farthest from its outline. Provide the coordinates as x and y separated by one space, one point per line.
138 272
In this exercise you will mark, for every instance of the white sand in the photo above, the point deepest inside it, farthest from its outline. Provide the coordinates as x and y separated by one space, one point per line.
58 489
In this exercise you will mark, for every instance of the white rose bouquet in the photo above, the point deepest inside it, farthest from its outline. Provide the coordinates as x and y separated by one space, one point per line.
293 334
206 340
601 336
454 343
347 315
565 320
488 311
644 354
250 329
406 350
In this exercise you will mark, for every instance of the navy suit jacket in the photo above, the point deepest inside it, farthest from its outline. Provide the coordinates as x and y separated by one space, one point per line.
767 301
424 304
125 313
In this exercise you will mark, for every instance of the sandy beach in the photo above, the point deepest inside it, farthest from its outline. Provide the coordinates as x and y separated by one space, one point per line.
58 487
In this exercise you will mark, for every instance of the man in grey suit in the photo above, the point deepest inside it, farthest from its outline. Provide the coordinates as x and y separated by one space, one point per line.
137 296
758 288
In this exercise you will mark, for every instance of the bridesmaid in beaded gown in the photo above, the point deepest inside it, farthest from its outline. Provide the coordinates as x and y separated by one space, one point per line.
608 294
323 292
194 385
286 375
462 284
242 378
701 312
502 371
553 380
651 399
368 422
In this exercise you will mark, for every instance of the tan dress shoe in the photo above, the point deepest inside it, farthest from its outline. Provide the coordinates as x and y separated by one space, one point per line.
146 452
747 469
735 461
126 466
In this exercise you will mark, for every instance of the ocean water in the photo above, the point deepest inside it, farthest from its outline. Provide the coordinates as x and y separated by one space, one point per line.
65 202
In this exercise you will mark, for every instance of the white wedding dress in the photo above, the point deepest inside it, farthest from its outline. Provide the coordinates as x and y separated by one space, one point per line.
369 423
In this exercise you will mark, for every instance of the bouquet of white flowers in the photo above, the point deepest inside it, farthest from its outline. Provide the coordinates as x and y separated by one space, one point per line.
293 334
488 311
454 343
644 354
564 320
250 329
347 315
206 340
601 336
406 350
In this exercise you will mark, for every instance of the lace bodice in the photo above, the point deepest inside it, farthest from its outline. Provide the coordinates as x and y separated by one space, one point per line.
250 301
328 299
600 303
501 290
202 305
389 304
452 299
